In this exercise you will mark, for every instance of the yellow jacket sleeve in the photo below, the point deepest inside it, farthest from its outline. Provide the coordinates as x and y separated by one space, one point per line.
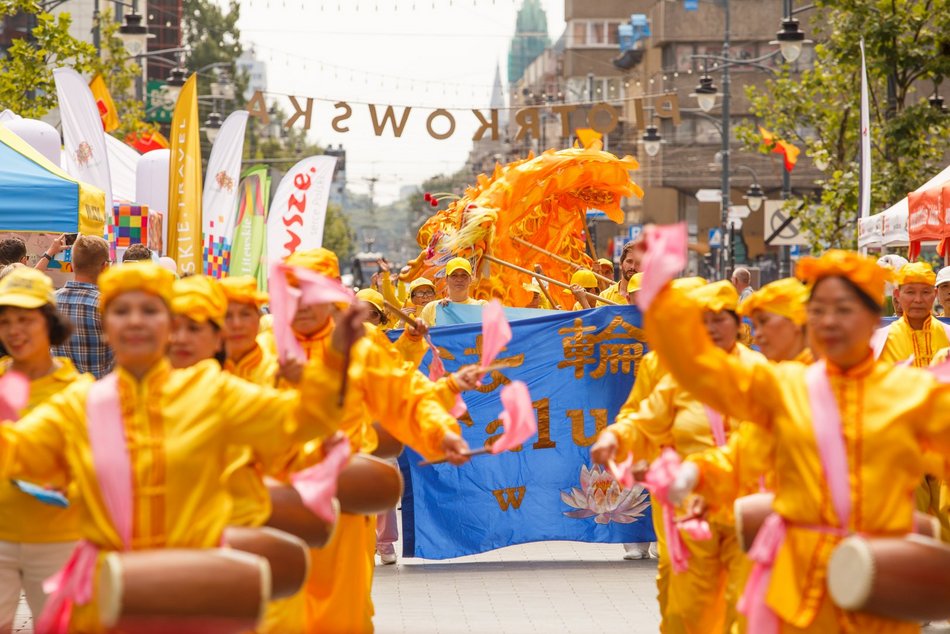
269 419
412 348
729 472
651 418
387 291
404 402
721 380
34 447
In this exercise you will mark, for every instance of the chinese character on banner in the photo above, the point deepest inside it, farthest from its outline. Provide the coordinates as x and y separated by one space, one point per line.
617 348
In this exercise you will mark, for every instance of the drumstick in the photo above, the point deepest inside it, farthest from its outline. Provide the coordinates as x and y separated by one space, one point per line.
406 317
554 256
477 452
549 280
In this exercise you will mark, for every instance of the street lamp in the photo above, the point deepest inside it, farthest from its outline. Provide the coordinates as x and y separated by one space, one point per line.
754 197
705 93
213 126
652 140
175 82
790 39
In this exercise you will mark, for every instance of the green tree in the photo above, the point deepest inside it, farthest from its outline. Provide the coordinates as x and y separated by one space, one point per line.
120 73
337 234
26 69
908 51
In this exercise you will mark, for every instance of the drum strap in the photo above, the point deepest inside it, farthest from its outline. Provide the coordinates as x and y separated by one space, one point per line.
826 421
73 584
716 425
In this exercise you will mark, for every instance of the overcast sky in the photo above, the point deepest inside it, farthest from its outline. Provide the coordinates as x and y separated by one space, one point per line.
435 53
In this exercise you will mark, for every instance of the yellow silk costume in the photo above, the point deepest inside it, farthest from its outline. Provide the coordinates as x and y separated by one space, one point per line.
23 518
702 598
179 425
383 387
904 342
886 413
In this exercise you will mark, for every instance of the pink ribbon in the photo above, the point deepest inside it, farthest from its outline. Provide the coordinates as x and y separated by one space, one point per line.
496 331
437 371
665 257
14 395
658 481
73 584
312 288
716 425
622 472
518 417
826 422
761 618
317 484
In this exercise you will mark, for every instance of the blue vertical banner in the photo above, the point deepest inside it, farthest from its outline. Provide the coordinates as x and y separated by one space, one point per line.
579 368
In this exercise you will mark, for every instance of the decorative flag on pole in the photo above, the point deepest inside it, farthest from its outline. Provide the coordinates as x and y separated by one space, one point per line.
219 203
864 195
779 146
247 247
87 158
184 182
299 208
517 418
104 103
496 332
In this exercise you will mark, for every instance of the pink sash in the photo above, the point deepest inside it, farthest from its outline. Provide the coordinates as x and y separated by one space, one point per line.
716 425
73 585
826 422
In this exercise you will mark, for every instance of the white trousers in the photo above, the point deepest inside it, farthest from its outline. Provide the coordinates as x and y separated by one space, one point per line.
26 566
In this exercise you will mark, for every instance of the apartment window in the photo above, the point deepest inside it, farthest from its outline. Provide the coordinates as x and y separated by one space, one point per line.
594 34
605 89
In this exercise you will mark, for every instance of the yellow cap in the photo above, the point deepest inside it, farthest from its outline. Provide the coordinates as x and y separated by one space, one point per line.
687 284
26 288
606 262
717 297
142 276
786 297
319 260
531 287
457 263
243 290
373 297
633 284
916 273
860 270
583 278
200 298
419 282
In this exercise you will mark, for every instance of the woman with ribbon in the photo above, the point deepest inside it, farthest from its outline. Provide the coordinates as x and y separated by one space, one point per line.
707 569
849 436
131 441
36 537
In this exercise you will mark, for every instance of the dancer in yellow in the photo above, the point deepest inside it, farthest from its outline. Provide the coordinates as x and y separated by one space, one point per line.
382 388
702 598
886 416
36 538
178 425
916 334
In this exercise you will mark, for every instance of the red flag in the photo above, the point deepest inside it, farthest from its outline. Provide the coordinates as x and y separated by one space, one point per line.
779 146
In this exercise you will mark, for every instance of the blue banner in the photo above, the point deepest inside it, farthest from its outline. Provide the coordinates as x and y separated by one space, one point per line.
452 314
579 367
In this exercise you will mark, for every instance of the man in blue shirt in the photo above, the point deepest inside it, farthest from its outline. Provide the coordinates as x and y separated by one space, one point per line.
79 302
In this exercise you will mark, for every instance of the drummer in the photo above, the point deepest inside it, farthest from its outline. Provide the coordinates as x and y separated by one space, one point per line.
886 415
671 416
170 417
384 388
36 538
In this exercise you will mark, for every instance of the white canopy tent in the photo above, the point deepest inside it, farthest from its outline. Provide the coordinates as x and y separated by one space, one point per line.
889 228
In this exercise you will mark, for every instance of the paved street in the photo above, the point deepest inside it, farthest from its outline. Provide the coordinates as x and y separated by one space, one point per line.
545 587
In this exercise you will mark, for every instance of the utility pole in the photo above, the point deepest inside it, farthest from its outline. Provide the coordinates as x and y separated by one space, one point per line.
371 236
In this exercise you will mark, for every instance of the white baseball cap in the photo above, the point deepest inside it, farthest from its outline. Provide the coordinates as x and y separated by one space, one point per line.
943 276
